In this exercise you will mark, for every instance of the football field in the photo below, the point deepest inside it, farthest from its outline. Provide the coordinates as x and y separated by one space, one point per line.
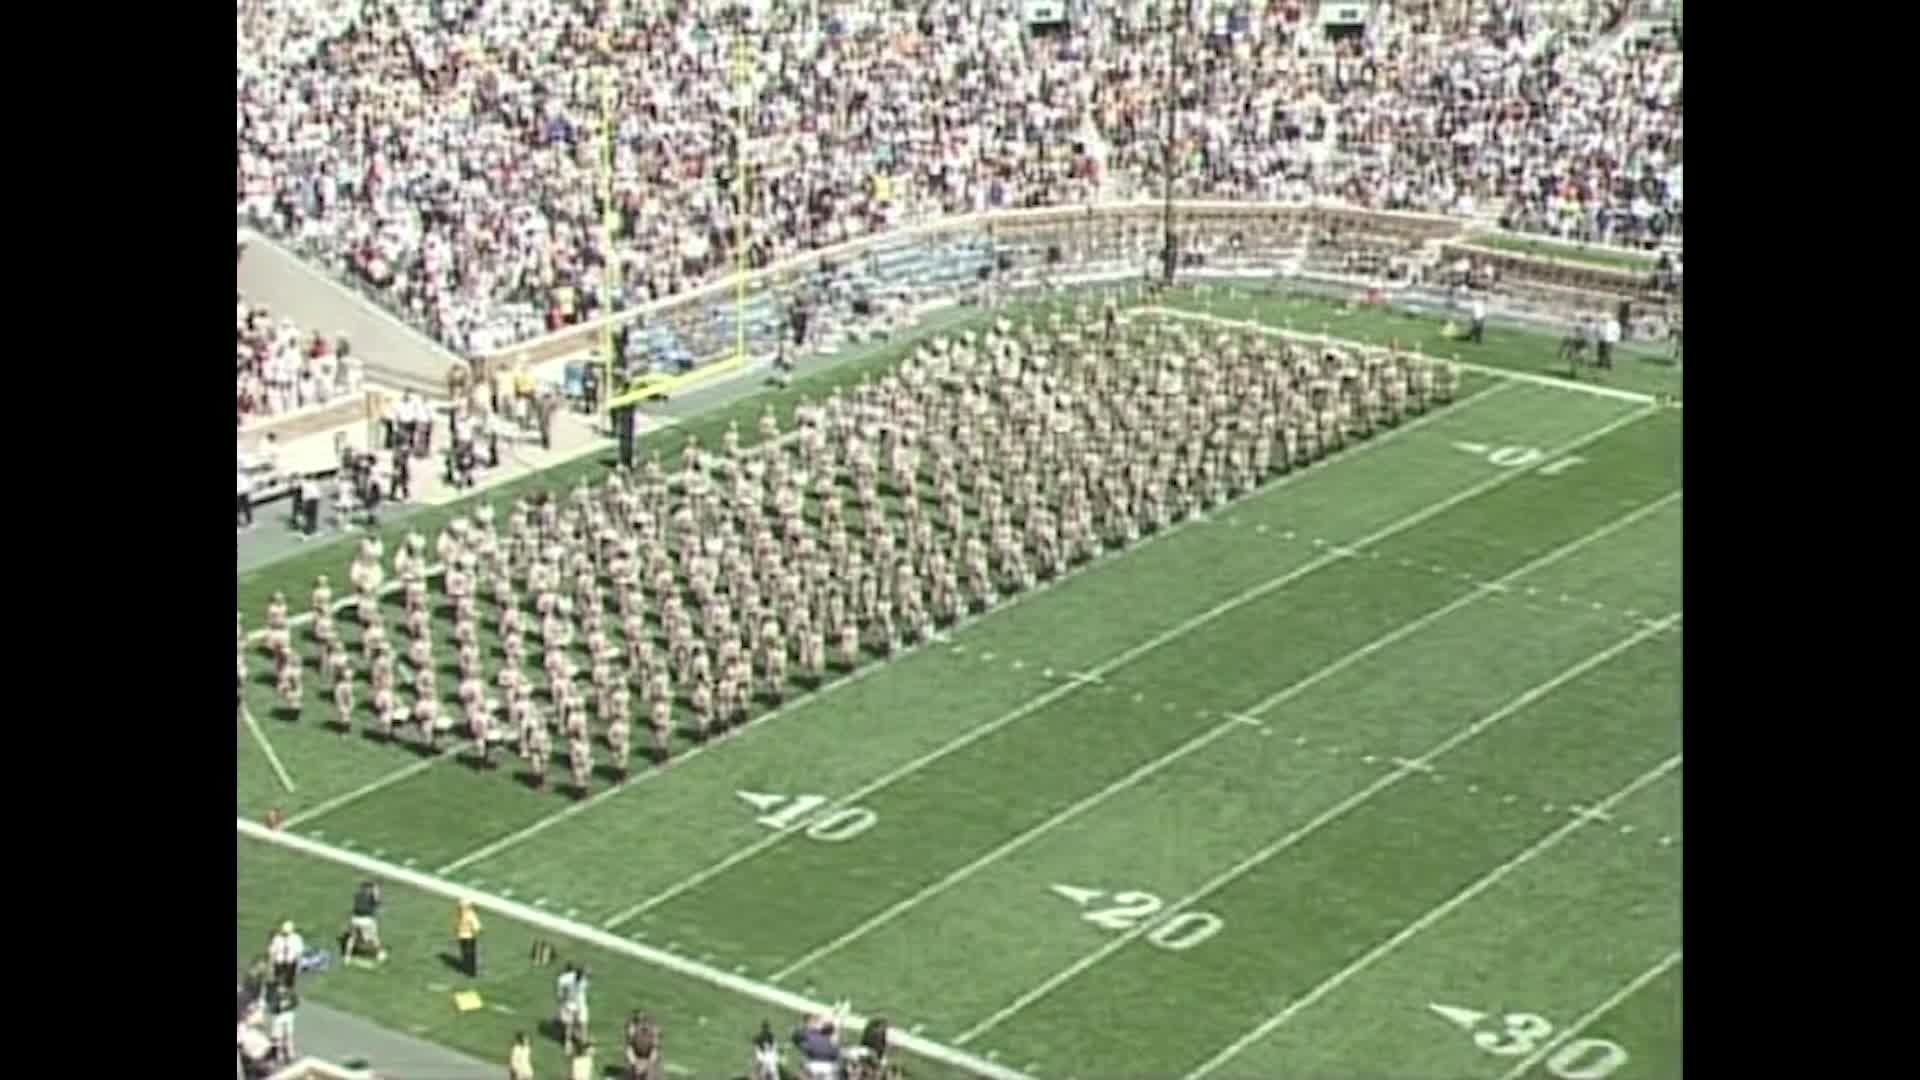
1376 772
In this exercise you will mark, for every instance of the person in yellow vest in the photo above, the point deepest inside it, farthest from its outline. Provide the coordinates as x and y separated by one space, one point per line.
520 1059
466 931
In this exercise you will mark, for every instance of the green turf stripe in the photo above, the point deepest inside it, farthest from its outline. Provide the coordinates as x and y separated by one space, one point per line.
1025 774
1647 1023
1643 369
1552 940
1208 811
1298 921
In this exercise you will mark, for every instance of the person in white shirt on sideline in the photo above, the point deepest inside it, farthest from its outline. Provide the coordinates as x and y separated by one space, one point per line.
1609 337
1479 328
284 950
243 499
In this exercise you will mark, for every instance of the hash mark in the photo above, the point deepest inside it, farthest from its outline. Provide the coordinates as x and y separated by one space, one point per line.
1626 830
1018 664
379 852
986 658
410 861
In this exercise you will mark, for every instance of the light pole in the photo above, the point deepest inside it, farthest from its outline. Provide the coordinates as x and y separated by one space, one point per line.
1167 254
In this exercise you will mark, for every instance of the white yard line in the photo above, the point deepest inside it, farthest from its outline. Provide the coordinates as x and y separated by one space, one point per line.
553 924
1080 678
366 789
1593 1015
1408 932
1326 817
1233 722
1155 642
273 759
1534 378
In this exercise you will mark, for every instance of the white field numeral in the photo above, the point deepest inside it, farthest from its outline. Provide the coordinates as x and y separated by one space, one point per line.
1514 457
834 827
1521 1034
1521 457
1125 911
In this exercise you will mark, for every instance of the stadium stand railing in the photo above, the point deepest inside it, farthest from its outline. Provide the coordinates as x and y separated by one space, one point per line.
850 287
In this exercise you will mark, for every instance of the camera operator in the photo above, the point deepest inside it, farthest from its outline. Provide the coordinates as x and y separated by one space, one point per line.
363 926
819 1051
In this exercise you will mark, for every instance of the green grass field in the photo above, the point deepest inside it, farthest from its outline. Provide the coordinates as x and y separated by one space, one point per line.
1612 258
1375 772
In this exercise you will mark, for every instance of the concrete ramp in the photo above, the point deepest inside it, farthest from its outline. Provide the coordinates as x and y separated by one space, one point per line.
394 353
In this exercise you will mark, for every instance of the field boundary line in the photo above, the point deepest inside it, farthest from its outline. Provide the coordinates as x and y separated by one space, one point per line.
1593 1015
679 965
497 846
1235 720
1440 911
260 737
1247 596
1325 817
1531 377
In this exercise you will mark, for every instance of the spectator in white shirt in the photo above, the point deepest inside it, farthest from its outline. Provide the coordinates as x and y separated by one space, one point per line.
284 950
1609 337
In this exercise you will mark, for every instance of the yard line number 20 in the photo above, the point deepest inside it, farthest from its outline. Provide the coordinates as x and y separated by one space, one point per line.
1125 911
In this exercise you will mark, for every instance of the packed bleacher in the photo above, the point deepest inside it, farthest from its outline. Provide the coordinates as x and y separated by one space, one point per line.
280 368
449 156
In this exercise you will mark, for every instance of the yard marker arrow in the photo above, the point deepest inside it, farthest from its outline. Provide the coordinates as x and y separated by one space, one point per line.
761 802
1464 1019
1076 894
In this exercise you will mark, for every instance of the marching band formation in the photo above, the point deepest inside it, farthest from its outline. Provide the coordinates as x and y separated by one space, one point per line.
691 598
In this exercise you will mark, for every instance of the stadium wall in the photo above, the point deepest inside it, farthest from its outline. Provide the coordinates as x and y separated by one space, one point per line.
1142 221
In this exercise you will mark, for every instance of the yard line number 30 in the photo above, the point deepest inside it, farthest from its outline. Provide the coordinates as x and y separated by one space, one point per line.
1580 1059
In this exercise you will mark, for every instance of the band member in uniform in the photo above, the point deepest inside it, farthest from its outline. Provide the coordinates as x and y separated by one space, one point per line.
580 758
643 1047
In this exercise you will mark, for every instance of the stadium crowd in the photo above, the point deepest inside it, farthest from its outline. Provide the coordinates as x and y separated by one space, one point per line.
280 368
449 155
